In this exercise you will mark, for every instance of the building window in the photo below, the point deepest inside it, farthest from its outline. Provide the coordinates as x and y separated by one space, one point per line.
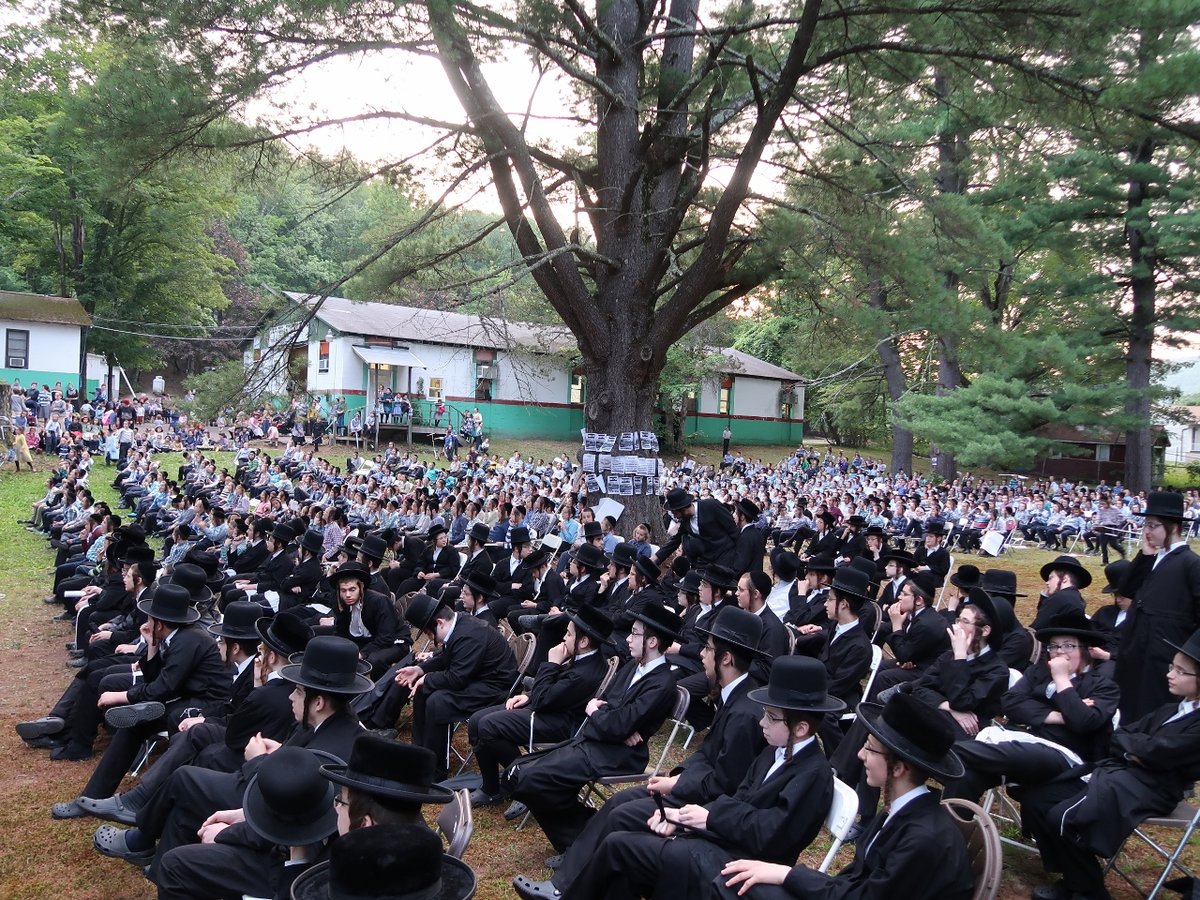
723 401
785 409
16 349
577 389
323 356
1103 452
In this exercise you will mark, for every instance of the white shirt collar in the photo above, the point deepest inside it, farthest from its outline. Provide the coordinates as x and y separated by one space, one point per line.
732 686
241 667
842 629
904 799
642 671
781 755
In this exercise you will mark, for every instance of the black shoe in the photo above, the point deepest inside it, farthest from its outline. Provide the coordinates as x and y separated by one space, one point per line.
49 742
68 616
555 861
46 725
71 752
78 662
131 714
528 889
51 600
515 810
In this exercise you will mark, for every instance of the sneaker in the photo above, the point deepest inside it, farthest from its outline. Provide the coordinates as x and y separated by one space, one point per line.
131 714
42 727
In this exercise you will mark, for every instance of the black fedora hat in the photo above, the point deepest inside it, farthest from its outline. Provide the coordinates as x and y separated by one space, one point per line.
136 553
1190 647
171 604
720 577
918 734
623 555
518 535
646 569
966 577
350 545
536 559
285 633
381 767
785 564
195 581
239 621
749 509
590 557
1072 624
481 584
660 620
312 541
1067 563
209 562
288 802
1164 505
739 627
937 528
387 862
434 530
851 583
856 521
690 582
678 498
867 566
900 556
593 623
592 530
798 683
982 599
373 547
421 611
875 531
822 562
925 582
479 533
329 664
283 533
1001 583
356 570
827 517
1114 574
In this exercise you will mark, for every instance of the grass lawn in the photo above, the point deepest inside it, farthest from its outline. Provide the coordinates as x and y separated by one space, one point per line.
40 857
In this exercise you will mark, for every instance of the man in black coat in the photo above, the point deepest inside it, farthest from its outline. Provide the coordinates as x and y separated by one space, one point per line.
918 634
707 532
1165 582
715 769
751 594
366 617
931 556
1153 761
549 711
298 587
514 582
614 739
776 810
270 575
911 849
472 669
585 568
751 544
1065 577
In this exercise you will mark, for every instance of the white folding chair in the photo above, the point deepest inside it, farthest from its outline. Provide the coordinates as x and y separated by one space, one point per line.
876 661
552 544
840 819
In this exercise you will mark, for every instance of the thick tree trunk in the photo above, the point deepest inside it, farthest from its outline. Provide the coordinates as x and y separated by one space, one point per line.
1139 440
893 373
949 379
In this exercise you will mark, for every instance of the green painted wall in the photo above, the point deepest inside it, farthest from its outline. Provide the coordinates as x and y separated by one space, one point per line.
28 376
705 430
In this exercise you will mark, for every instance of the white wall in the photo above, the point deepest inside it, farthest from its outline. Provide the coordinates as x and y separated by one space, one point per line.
755 397
52 348
531 378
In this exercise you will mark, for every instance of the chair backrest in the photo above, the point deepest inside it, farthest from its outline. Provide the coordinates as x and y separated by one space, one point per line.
523 647
791 636
1014 675
552 543
462 560
456 822
678 723
1036 653
840 818
878 617
983 845
614 663
876 662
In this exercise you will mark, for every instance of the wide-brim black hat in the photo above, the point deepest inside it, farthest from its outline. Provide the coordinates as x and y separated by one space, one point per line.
536 559
392 769
1164 505
1072 624
799 684
623 555
661 621
590 557
239 623
391 859
786 564
966 577
647 569
1001 583
1114 574
738 627
283 533
901 556
519 535
822 562
592 530
827 517
135 553
875 531
1067 563
434 530
593 623
690 582
194 580
170 603
285 633
720 577
982 599
330 665
481 584
1190 647
749 509
479 533
937 528
856 521
421 611
373 547
850 582
312 541
918 734
288 802
678 498
350 570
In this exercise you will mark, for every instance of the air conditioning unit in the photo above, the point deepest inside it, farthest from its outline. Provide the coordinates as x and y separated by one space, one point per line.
16 362
485 371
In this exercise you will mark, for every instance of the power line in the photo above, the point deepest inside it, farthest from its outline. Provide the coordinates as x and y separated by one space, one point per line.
171 337
171 324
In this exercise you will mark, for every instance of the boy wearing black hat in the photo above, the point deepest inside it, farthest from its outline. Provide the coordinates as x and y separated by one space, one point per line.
776 811
715 769
808 607
931 556
366 617
917 633
751 543
706 533
911 849
1165 582
1152 761
549 711
1065 577
613 739
514 582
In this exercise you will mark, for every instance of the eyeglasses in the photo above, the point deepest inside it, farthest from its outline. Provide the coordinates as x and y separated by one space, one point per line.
1175 670
637 634
338 801
708 648
1061 648
870 749
774 720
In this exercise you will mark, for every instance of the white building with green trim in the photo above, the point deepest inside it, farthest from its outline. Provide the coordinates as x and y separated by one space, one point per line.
523 377
42 338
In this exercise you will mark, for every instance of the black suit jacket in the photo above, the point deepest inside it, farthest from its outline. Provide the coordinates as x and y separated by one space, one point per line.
475 664
922 639
267 709
715 541
505 579
918 855
809 609
722 760
189 669
1086 730
480 562
306 576
446 565
378 617
938 561
253 556
242 686
974 685
774 641
749 549
551 592
640 707
1059 603
560 692
581 594
271 574
847 661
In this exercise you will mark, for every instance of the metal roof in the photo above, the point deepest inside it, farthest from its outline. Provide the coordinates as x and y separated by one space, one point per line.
745 364
43 308
388 356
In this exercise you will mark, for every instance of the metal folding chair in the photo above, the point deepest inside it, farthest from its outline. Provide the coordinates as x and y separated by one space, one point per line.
1185 818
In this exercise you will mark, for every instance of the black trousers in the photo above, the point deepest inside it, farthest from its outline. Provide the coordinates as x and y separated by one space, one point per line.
627 810
203 871
1079 865
175 813
202 745
988 764
497 733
